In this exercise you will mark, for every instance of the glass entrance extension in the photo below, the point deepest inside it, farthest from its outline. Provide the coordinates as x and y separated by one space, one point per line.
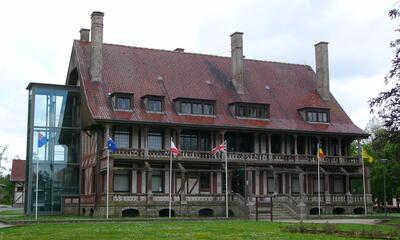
53 146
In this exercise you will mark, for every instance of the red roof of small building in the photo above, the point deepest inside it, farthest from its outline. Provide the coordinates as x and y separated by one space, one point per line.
141 71
18 171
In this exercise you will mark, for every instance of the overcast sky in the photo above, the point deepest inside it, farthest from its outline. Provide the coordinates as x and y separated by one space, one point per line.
36 40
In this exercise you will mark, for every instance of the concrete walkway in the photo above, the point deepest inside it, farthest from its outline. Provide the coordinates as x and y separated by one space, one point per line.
2 225
350 221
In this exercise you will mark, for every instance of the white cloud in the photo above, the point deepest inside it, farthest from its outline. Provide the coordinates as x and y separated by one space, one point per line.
353 94
37 37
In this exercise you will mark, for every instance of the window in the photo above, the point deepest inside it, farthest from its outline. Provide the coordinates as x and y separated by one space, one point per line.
204 181
208 109
186 108
123 103
295 185
317 116
156 182
338 184
270 185
155 140
252 111
189 141
121 182
154 105
321 185
197 108
121 137
20 189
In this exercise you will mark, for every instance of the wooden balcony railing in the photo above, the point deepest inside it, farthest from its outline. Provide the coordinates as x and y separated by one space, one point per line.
292 200
235 156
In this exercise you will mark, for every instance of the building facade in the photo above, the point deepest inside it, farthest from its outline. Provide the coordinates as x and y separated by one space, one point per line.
272 115
18 179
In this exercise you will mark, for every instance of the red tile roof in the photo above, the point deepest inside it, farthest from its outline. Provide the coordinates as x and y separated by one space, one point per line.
18 171
286 87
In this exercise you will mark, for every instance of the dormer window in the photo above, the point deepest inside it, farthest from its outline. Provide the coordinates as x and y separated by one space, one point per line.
251 110
122 101
315 115
195 107
153 104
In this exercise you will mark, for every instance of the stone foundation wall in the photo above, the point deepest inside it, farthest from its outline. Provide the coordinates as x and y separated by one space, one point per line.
154 210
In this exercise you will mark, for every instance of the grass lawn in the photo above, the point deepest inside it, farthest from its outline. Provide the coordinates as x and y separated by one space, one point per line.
11 212
171 230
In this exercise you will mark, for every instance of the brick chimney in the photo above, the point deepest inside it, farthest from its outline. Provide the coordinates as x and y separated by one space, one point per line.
322 70
96 54
237 61
84 32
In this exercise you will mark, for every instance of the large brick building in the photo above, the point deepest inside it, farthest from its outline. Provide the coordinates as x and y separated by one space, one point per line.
272 115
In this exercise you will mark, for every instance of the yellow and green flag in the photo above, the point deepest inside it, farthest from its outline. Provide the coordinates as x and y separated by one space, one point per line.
366 156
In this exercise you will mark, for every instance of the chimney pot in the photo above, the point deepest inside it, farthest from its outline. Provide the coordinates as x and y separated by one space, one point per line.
96 54
322 70
84 33
237 61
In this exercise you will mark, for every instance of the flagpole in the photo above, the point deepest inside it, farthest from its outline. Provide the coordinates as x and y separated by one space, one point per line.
226 183
319 187
37 186
170 182
363 170
108 179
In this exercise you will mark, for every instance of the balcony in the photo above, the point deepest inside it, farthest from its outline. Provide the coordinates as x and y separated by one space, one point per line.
144 154
216 198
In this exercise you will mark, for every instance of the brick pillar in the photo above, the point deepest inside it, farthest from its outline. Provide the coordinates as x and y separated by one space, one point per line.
282 144
219 182
263 144
269 146
149 181
265 186
134 179
250 183
257 183
276 183
327 191
166 179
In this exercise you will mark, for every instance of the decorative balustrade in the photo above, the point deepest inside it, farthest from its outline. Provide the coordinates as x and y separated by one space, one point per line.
164 197
234 156
339 198
291 200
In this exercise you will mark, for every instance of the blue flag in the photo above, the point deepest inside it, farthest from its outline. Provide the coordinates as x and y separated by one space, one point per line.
111 145
42 140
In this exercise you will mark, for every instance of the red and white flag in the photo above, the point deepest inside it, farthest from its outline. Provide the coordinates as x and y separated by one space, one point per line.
174 150
219 148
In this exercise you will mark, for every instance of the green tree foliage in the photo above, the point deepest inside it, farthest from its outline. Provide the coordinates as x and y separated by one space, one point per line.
7 190
381 146
6 187
387 103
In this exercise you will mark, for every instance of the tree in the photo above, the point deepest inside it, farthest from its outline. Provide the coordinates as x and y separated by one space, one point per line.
6 186
3 149
380 145
387 103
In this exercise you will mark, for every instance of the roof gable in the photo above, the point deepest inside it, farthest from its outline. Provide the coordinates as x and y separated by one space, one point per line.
18 171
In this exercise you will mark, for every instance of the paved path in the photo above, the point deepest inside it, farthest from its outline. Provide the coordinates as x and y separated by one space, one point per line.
351 221
2 225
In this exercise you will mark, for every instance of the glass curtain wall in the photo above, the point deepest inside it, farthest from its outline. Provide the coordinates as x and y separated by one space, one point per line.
53 146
